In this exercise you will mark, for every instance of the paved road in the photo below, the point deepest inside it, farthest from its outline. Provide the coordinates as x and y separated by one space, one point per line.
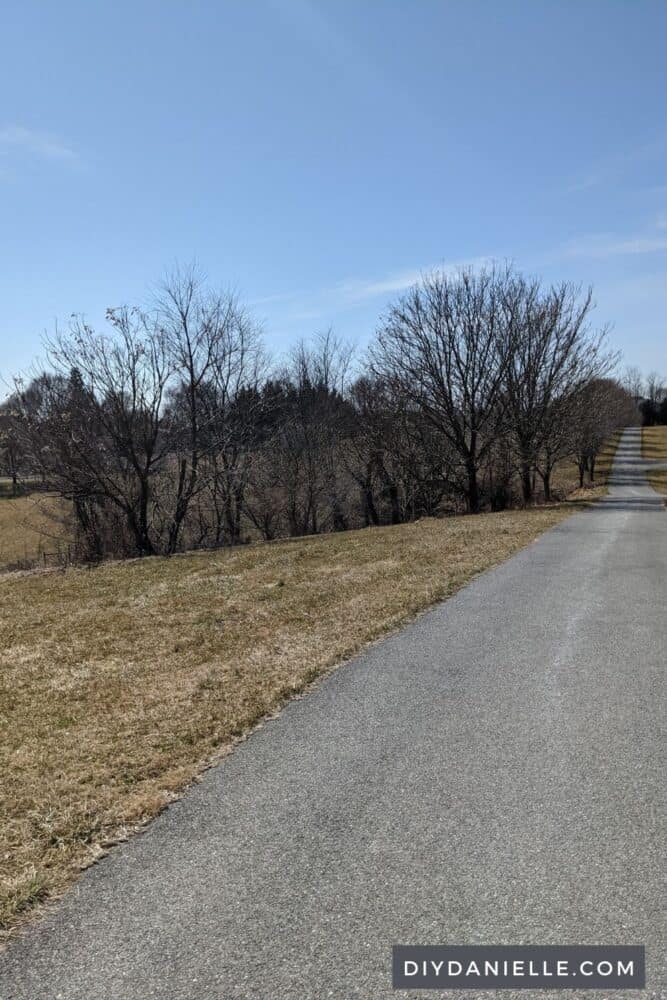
494 773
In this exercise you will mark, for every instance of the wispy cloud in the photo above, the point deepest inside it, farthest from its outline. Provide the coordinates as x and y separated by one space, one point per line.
606 245
356 290
349 293
35 143
353 291
612 168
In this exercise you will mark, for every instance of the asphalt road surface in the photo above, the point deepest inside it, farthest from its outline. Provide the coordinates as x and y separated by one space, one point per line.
495 773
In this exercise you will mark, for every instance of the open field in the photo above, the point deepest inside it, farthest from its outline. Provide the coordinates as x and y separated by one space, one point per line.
28 530
654 446
8 490
118 684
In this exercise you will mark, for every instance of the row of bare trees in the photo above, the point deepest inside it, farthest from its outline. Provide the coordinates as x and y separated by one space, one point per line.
489 355
173 430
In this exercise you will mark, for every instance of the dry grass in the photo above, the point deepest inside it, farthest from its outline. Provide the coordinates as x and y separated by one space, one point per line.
28 530
119 684
654 447
606 458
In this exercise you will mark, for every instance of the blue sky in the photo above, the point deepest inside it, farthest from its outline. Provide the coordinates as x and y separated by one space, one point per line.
317 156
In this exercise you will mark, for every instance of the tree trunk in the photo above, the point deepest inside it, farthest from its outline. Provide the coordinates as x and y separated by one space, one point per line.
395 506
143 519
526 482
473 488
370 510
142 541
179 510
582 469
338 519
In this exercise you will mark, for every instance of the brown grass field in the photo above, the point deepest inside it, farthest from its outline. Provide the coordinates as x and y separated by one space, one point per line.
119 684
654 446
28 531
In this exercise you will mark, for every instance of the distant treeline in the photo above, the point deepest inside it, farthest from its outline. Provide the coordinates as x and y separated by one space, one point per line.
650 395
653 411
174 429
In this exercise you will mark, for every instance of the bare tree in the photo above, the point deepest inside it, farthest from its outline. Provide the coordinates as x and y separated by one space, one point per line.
11 452
215 353
601 408
444 348
96 426
655 387
127 418
301 468
401 464
633 382
557 443
553 353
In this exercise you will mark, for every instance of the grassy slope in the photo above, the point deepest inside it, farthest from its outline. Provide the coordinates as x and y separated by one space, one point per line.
117 685
654 446
606 457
